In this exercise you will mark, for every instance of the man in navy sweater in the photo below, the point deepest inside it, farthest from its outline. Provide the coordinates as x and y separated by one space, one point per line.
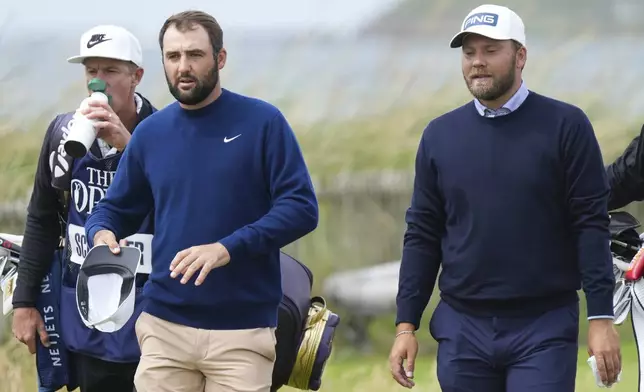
510 199
229 187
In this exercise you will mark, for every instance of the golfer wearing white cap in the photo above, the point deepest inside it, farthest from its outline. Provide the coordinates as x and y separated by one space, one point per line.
510 199
64 193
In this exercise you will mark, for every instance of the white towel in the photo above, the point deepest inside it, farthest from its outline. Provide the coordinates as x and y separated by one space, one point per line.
592 362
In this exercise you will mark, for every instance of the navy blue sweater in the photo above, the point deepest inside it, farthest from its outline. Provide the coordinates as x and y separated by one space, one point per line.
231 172
513 208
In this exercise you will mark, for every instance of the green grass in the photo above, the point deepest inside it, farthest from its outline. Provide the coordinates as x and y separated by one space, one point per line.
344 373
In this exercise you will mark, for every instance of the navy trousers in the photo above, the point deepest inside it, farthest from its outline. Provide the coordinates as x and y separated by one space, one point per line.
537 354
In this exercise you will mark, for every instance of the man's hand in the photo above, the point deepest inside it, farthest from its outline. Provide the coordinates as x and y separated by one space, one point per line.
204 257
603 343
405 348
27 323
106 237
109 125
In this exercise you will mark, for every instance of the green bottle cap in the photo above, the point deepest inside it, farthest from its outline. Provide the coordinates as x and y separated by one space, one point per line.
99 85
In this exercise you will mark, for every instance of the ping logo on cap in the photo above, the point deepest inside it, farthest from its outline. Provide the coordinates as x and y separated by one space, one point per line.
481 19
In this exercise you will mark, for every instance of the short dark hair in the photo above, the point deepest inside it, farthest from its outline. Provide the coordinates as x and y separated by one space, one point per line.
188 20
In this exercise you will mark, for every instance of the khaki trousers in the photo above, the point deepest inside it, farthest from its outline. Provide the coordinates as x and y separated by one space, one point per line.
176 358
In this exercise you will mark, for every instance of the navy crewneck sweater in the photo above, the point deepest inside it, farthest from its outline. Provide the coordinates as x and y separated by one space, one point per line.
514 209
231 172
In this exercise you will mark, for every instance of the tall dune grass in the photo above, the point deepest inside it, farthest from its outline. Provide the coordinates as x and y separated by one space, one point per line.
384 141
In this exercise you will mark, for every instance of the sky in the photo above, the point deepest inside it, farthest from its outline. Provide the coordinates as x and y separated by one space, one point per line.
231 14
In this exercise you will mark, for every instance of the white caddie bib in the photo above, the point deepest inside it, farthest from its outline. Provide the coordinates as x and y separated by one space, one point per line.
80 248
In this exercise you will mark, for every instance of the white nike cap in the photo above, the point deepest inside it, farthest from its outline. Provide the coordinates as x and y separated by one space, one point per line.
492 21
111 42
106 287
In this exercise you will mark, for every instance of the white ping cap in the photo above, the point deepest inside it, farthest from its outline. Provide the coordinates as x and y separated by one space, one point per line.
492 21
111 42
106 287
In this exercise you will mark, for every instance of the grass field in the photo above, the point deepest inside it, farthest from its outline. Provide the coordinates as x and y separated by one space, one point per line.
344 373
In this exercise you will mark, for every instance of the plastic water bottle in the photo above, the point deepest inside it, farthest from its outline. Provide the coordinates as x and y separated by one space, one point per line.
82 133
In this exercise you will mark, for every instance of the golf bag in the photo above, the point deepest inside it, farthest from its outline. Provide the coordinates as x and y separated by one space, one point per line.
628 268
304 332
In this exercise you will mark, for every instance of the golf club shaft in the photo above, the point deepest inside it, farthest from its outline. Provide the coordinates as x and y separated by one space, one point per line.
625 245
